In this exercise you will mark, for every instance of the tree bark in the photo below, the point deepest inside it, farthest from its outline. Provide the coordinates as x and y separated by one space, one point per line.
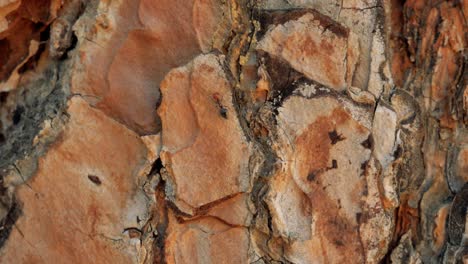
233 131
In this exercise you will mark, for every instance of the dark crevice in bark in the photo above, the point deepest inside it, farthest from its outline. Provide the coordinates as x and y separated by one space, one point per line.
62 38
457 217
260 118
436 101
161 227
157 224
8 223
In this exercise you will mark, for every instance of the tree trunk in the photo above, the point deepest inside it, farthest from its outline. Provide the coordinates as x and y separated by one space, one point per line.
233 131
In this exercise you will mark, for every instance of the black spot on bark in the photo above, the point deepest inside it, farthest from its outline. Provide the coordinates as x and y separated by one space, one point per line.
3 96
364 165
311 176
95 179
17 115
339 243
398 152
223 112
368 143
334 164
365 192
358 217
335 137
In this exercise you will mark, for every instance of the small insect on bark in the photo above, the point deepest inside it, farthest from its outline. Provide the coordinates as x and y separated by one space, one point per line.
222 110
95 179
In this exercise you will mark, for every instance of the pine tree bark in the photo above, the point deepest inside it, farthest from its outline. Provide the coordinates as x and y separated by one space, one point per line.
233 131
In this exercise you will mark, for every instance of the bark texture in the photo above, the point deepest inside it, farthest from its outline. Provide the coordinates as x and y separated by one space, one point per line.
233 131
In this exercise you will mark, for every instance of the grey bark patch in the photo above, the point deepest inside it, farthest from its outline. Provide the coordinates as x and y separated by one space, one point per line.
31 104
41 98
457 216
454 180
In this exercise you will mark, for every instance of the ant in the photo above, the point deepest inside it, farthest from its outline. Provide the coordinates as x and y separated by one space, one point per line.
222 110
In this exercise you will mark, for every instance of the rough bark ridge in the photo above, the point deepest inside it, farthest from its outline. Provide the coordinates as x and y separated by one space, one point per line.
233 131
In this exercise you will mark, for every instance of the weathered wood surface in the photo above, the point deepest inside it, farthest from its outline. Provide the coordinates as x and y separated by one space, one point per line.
233 131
